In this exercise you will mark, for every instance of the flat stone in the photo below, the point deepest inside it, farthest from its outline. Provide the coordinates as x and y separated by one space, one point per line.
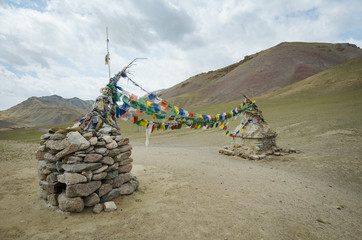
107 160
79 167
73 178
107 138
40 155
42 148
92 157
57 136
111 145
254 157
227 152
74 159
90 149
103 151
126 161
52 199
91 200
82 189
50 157
93 141
52 178
113 167
125 148
109 206
122 156
78 139
125 168
51 166
45 136
100 144
129 188
67 204
98 208
88 135
118 138
57 144
112 174
115 193
121 179
99 176
56 187
66 151
114 152
104 189
105 130
124 141
101 169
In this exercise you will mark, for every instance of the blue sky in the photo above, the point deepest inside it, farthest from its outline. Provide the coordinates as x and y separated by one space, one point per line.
58 47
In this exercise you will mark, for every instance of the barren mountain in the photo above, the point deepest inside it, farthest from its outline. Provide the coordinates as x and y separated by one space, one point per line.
261 73
39 111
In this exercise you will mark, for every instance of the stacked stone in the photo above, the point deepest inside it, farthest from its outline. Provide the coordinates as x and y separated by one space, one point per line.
85 170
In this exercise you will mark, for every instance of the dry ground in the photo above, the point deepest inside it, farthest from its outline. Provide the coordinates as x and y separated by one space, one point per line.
189 191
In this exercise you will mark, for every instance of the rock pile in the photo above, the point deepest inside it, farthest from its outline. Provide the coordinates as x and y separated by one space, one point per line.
85 170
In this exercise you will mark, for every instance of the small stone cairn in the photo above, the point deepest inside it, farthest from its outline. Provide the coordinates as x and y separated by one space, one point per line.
89 164
256 140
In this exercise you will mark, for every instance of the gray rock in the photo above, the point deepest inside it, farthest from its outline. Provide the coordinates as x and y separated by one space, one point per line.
101 169
42 148
90 149
91 200
115 193
78 139
93 141
67 204
105 130
107 160
100 144
114 152
112 174
91 158
103 151
118 138
57 136
124 141
113 167
79 167
125 148
45 136
50 157
57 144
52 199
66 151
98 208
129 188
122 156
51 166
43 194
82 189
111 145
99 176
88 135
74 178
40 155
107 139
125 168
104 189
126 161
52 178
109 206
74 159
254 157
121 179
59 165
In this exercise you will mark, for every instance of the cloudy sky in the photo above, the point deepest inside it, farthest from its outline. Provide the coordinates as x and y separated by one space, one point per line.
58 47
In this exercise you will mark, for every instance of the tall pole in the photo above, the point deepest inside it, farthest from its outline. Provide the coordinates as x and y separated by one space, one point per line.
107 56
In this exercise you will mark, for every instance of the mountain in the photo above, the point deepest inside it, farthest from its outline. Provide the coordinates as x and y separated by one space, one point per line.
261 73
40 111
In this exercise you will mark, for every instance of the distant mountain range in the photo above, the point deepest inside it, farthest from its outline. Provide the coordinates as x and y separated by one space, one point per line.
276 71
40 111
261 73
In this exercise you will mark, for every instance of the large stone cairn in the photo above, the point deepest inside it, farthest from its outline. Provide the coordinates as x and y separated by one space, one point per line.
84 170
256 140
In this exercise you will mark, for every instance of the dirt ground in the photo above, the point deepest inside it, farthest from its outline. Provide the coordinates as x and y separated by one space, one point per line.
189 191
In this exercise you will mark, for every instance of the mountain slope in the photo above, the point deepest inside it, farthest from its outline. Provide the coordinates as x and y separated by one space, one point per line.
261 73
38 111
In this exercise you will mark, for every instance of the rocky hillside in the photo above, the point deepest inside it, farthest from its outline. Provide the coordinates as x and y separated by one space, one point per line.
261 73
39 111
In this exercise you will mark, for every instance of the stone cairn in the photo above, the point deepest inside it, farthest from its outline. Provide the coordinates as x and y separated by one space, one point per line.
89 164
256 140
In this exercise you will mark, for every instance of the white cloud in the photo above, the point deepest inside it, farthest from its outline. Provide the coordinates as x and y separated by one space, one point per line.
58 47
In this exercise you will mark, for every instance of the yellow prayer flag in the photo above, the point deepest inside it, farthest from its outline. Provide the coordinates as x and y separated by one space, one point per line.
177 110
149 103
